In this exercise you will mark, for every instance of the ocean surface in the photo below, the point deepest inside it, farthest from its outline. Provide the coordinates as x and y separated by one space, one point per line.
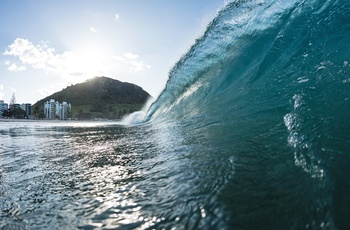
251 132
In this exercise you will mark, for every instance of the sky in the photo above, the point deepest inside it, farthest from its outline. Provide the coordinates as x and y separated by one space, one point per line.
46 46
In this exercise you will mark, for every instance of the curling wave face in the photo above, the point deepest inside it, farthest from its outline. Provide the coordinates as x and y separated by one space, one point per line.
272 79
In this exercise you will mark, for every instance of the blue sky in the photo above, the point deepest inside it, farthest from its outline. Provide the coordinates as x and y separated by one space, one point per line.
48 45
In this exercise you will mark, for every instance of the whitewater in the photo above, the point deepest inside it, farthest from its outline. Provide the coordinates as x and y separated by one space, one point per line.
251 132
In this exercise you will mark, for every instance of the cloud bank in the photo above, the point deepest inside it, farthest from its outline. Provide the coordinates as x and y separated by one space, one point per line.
70 64
39 57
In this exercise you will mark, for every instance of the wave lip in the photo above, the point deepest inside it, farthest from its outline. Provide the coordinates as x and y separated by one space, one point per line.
227 39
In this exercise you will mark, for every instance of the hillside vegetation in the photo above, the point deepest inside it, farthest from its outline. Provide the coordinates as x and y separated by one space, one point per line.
99 97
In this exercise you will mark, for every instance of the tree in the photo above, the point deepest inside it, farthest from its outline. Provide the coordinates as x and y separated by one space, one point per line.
37 113
16 113
41 115
84 115
69 113
36 110
6 113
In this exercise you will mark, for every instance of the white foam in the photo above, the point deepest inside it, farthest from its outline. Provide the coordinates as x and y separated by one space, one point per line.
137 117
134 118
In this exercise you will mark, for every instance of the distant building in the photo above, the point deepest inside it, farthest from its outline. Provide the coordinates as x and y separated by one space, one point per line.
64 110
16 106
3 106
50 109
28 109
56 110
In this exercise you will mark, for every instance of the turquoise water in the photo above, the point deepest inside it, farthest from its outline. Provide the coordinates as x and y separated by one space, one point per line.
251 132
266 90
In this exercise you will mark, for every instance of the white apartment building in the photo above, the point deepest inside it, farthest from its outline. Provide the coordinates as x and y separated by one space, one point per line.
50 109
64 110
56 110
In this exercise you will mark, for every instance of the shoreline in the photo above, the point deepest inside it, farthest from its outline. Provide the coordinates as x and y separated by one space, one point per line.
18 120
51 121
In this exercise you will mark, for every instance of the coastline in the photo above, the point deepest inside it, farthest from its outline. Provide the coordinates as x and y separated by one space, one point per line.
53 121
31 120
18 120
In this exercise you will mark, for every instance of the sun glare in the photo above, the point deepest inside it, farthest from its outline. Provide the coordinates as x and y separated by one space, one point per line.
89 60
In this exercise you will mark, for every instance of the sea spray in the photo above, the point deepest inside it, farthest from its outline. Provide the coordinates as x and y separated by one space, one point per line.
137 117
134 118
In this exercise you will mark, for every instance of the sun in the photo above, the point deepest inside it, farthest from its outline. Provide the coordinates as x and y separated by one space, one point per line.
87 60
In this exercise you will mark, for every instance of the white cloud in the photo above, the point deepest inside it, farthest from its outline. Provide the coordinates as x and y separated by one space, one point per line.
133 60
138 66
39 57
116 17
132 56
121 59
93 29
12 89
15 68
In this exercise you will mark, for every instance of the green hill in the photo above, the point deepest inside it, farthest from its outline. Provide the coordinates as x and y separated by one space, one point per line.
100 97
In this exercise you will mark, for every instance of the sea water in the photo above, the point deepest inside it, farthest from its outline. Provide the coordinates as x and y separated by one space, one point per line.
251 132
68 175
